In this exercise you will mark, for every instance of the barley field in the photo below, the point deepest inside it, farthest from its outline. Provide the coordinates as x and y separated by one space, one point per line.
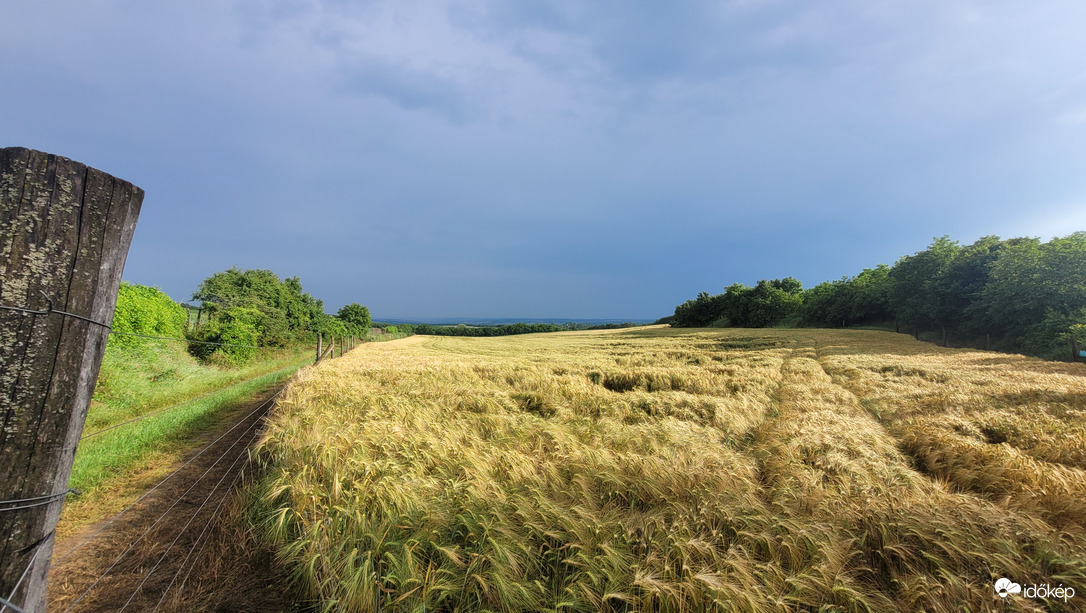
655 469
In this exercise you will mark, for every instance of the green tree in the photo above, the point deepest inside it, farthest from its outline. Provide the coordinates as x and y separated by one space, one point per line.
771 302
920 292
870 296
285 311
699 312
1036 292
968 274
356 317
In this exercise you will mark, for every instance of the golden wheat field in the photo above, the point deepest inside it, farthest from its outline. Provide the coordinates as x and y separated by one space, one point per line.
655 469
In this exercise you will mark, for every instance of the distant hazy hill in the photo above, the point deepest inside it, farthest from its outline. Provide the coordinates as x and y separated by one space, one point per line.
501 321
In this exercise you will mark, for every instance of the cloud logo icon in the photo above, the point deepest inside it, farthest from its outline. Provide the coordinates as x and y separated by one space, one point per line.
1005 587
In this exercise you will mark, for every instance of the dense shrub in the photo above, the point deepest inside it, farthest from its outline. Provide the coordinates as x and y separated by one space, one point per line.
284 313
239 331
146 310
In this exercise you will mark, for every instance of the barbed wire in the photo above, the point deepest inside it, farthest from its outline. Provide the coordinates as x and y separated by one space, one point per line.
199 544
9 605
6 604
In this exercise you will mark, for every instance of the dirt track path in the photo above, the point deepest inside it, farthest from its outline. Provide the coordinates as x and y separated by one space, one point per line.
179 549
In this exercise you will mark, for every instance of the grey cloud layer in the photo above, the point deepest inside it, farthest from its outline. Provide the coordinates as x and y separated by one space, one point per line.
492 156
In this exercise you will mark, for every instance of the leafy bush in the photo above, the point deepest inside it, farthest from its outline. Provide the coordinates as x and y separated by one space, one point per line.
238 328
286 313
146 310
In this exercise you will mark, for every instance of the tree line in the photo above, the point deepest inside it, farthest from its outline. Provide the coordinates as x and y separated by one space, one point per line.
1018 294
240 311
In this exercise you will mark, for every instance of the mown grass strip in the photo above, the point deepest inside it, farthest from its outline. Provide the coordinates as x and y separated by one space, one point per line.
119 450
136 380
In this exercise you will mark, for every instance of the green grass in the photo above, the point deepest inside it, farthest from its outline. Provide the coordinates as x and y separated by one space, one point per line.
153 376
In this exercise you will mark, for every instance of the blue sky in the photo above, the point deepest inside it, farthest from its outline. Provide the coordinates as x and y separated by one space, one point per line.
555 159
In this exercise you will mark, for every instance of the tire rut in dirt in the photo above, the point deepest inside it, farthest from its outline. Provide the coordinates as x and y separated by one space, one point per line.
180 549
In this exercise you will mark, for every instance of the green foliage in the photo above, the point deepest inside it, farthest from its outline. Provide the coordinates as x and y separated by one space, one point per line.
240 331
284 313
920 290
356 318
861 300
259 288
1018 294
1029 279
146 310
770 302
253 307
329 326
1078 330
766 304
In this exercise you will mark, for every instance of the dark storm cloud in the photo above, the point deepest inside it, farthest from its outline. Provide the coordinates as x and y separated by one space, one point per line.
555 158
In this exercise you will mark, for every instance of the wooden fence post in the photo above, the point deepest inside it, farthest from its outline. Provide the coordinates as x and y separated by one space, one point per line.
332 347
319 339
65 230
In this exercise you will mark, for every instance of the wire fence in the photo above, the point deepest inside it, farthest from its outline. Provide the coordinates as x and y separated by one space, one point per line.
189 340
262 409
49 310
187 565
37 501
5 603
202 539
192 517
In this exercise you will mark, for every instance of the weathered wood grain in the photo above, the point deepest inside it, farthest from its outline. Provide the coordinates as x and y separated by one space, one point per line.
65 230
